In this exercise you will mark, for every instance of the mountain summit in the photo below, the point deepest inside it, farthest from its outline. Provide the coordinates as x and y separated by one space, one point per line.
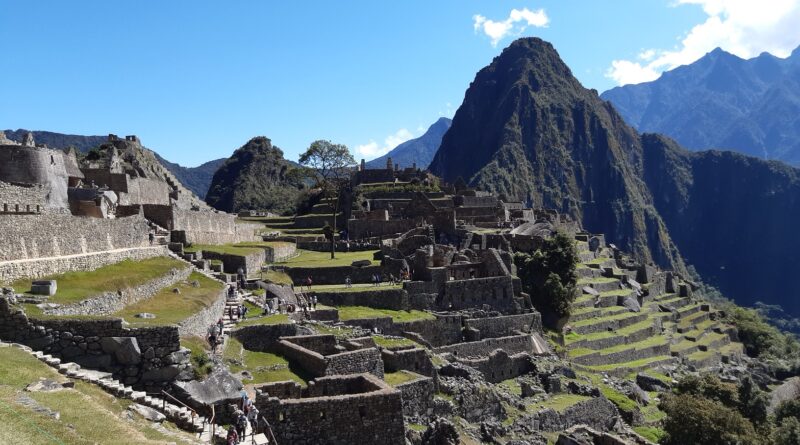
722 101
528 130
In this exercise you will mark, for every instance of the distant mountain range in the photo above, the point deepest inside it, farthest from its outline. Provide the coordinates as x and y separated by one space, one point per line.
419 150
722 101
197 179
528 130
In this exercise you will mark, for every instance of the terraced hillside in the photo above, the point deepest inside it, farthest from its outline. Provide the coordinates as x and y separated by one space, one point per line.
621 326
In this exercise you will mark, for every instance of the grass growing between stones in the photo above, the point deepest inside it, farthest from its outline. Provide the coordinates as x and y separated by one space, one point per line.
308 258
651 433
399 377
200 360
263 366
87 414
268 320
74 287
359 312
172 308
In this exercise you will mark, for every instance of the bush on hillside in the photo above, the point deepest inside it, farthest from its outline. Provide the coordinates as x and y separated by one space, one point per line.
548 275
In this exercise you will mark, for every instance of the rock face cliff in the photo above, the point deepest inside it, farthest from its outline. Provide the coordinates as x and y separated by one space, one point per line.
724 102
255 177
529 130
419 150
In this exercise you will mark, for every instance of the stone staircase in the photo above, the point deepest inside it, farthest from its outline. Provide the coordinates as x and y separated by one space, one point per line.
181 416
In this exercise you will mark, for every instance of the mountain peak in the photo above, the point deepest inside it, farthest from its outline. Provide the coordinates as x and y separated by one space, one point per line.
417 151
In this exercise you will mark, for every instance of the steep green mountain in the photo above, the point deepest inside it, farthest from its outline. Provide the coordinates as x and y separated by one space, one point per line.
419 150
528 129
255 177
722 101
197 179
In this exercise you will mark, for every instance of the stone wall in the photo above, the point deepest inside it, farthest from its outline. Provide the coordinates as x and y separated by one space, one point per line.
110 302
497 292
52 235
11 271
512 345
444 330
373 417
355 362
33 165
145 191
499 365
263 338
597 413
22 198
198 323
492 327
417 396
333 274
318 355
395 299
251 263
362 228
201 227
139 356
412 359
279 252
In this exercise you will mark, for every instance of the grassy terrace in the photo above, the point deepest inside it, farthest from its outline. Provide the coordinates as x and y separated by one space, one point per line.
263 366
88 414
399 377
74 287
357 312
172 308
627 330
594 321
268 320
558 402
309 258
655 340
390 343
633 364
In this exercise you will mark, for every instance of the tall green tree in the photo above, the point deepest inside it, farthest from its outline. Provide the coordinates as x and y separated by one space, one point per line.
548 275
329 164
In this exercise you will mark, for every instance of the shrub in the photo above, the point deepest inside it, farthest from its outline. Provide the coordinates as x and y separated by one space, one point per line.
696 420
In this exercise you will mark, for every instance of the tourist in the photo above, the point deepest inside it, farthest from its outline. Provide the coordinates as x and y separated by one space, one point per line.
232 438
243 311
348 282
152 237
234 312
314 302
308 283
241 426
252 416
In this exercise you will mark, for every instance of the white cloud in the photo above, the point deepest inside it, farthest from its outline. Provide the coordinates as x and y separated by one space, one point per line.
372 149
516 23
745 28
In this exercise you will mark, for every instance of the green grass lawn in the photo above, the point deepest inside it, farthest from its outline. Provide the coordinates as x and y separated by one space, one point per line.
337 331
308 258
399 377
172 308
394 342
357 312
88 414
74 287
263 366
223 249
268 320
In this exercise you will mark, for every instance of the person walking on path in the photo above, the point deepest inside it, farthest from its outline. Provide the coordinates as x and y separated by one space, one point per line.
241 426
233 437
252 417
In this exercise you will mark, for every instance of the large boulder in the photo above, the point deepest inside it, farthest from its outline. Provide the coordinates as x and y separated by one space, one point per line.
44 287
220 386
441 432
124 349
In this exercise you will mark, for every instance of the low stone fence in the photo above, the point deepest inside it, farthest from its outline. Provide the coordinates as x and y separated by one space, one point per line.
417 396
148 356
493 327
366 360
412 359
262 338
111 302
11 271
499 365
597 413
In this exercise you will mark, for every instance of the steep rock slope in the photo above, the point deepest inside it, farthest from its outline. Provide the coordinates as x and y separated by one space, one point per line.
527 129
256 176
722 101
419 150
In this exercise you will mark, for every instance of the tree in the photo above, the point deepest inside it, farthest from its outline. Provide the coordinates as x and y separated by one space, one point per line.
696 420
548 275
329 164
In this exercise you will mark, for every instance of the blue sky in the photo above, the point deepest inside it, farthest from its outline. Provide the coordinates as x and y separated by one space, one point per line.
195 80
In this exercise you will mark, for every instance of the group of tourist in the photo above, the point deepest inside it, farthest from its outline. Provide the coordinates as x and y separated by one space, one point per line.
215 335
238 312
246 414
